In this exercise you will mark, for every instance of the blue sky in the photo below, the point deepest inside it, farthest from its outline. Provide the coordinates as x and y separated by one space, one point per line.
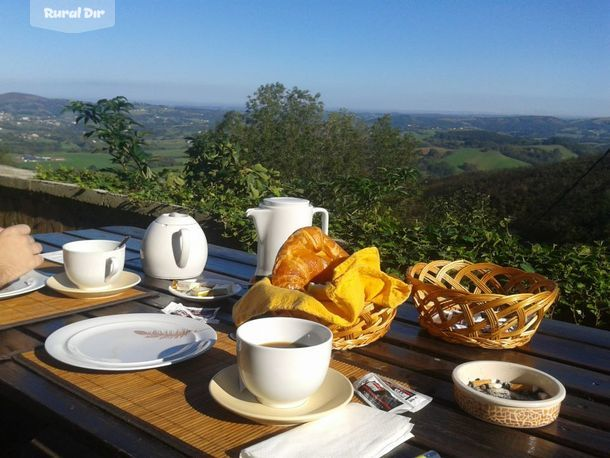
488 56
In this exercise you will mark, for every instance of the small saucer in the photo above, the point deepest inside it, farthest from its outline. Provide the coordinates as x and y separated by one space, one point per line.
26 283
63 285
235 288
335 392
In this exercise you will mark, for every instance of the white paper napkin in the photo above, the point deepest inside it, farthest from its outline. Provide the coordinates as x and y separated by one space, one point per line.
354 430
207 315
54 256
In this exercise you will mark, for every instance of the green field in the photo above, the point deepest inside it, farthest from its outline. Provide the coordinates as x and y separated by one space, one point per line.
167 147
76 160
173 149
483 160
159 149
423 134
565 152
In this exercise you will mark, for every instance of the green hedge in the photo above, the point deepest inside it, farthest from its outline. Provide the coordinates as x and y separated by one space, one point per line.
375 212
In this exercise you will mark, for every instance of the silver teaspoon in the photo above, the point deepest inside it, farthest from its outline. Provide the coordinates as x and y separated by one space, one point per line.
123 242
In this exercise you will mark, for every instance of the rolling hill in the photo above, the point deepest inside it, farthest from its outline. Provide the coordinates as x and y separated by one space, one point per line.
18 104
30 124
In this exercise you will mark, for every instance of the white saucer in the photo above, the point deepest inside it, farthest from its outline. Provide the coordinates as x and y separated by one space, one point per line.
335 392
31 281
131 341
63 285
235 288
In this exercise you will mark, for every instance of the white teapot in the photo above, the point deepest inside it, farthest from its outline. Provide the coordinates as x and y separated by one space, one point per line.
174 247
275 219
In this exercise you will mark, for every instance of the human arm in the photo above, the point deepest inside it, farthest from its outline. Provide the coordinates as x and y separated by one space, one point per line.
19 253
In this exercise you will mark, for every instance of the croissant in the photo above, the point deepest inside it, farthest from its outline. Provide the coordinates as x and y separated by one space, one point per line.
308 255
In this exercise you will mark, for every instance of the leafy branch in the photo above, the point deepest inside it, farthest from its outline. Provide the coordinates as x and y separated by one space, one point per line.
109 122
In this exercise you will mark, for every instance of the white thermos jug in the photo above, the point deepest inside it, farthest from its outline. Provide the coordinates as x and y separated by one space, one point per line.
275 219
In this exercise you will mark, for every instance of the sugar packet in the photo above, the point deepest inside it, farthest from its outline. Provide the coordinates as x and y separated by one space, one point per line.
207 315
389 396
415 400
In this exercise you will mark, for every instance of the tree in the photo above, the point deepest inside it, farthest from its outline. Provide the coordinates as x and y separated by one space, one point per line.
468 167
216 165
439 169
233 125
286 129
6 157
118 132
389 148
343 147
279 128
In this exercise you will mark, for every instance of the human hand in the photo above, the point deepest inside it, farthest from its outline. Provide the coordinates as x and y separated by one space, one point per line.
19 253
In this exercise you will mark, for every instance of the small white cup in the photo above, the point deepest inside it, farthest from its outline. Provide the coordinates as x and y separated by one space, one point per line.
283 377
93 264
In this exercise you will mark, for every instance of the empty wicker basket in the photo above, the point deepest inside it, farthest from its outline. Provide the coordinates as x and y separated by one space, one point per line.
483 305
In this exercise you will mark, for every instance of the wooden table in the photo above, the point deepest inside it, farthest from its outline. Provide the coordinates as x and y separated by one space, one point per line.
33 407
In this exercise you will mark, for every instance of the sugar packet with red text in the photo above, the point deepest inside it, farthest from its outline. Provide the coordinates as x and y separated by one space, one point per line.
415 400
389 396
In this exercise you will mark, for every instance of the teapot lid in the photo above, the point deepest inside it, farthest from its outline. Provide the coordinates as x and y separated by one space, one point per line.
284 201
175 219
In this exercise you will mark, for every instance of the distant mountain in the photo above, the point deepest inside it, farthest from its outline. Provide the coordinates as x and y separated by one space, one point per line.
164 120
19 104
540 127
449 143
159 120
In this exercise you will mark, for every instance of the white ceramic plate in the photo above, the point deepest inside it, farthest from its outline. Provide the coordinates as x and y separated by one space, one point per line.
62 284
235 288
335 392
26 283
130 341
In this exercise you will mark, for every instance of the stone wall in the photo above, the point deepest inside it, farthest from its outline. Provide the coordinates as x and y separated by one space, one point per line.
54 207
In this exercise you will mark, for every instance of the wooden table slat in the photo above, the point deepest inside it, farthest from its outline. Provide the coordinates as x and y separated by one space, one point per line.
584 381
96 234
112 394
103 428
44 329
14 341
56 239
136 232
577 353
434 378
566 331
584 334
241 272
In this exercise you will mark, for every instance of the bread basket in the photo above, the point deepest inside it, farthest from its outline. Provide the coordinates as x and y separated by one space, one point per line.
372 324
483 304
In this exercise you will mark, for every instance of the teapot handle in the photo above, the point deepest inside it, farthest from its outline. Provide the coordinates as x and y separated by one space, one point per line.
324 213
185 245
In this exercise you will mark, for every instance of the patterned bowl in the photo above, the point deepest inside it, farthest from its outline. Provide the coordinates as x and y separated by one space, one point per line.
507 412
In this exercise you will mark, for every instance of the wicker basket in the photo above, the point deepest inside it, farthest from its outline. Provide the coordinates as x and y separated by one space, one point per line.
373 323
482 304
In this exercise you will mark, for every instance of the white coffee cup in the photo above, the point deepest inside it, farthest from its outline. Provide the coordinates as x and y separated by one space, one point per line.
93 264
283 377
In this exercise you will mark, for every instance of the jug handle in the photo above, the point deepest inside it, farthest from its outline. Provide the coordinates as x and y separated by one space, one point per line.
324 213
185 245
